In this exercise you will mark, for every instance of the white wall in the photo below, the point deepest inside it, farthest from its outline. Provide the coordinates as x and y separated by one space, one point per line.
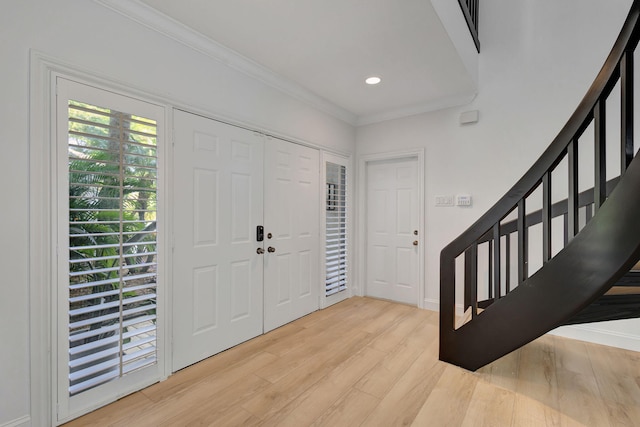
537 61
88 36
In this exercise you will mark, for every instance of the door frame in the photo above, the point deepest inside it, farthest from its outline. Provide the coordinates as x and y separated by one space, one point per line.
361 259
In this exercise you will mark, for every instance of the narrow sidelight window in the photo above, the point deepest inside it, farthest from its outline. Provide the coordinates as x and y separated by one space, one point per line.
112 252
336 229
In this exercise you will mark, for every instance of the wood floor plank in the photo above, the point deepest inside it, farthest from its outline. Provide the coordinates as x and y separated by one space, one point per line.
349 410
314 367
529 412
381 378
234 417
318 398
120 411
618 385
503 372
537 377
490 406
345 313
403 401
206 403
389 317
368 362
578 393
391 337
448 401
323 341
221 374
340 309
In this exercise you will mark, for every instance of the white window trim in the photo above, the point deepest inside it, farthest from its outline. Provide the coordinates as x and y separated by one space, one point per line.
347 162
42 228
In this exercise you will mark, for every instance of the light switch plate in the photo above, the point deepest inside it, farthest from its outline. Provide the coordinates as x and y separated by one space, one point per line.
444 201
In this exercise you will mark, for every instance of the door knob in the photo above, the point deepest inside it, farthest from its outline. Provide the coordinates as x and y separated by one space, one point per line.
259 251
415 243
271 249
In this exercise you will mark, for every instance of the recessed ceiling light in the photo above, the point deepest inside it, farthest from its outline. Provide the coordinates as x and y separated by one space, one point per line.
372 80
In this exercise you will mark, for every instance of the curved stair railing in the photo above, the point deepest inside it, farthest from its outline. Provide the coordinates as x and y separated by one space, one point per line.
598 232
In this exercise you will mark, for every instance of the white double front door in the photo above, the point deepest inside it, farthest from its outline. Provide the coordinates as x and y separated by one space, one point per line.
228 286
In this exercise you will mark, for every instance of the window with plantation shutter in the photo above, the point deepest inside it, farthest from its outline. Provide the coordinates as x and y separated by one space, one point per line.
336 229
112 238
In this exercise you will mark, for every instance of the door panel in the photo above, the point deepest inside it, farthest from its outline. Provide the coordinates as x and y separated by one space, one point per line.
292 216
392 218
218 202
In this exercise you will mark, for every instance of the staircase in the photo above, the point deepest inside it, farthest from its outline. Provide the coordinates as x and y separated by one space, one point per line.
582 247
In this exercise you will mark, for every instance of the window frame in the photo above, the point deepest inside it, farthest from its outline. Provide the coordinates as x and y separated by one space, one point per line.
326 301
42 213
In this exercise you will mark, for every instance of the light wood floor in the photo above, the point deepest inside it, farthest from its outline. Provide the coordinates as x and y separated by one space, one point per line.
366 362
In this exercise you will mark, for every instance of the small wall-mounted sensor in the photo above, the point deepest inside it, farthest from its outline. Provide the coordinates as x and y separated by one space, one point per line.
469 117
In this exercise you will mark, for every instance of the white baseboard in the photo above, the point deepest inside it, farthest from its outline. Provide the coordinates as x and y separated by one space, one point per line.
431 304
434 305
599 333
18 422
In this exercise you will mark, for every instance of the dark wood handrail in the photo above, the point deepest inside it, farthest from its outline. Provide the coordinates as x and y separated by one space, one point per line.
488 228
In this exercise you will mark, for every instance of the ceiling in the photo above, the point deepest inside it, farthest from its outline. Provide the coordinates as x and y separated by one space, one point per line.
329 47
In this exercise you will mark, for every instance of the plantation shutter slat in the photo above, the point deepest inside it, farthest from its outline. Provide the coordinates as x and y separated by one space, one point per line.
336 230
110 293
81 260
95 368
112 244
114 339
112 316
108 329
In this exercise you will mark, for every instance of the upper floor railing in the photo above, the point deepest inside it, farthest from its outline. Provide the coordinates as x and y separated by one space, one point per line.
470 11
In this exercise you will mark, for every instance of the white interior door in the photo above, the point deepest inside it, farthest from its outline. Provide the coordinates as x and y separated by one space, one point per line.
292 212
218 202
392 267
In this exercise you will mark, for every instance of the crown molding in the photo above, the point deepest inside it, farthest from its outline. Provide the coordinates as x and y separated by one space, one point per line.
439 104
163 24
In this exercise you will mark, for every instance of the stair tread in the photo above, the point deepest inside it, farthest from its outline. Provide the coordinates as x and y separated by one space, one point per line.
466 317
624 290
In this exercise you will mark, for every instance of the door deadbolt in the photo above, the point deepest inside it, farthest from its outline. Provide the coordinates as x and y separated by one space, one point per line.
269 235
271 249
415 232
259 251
